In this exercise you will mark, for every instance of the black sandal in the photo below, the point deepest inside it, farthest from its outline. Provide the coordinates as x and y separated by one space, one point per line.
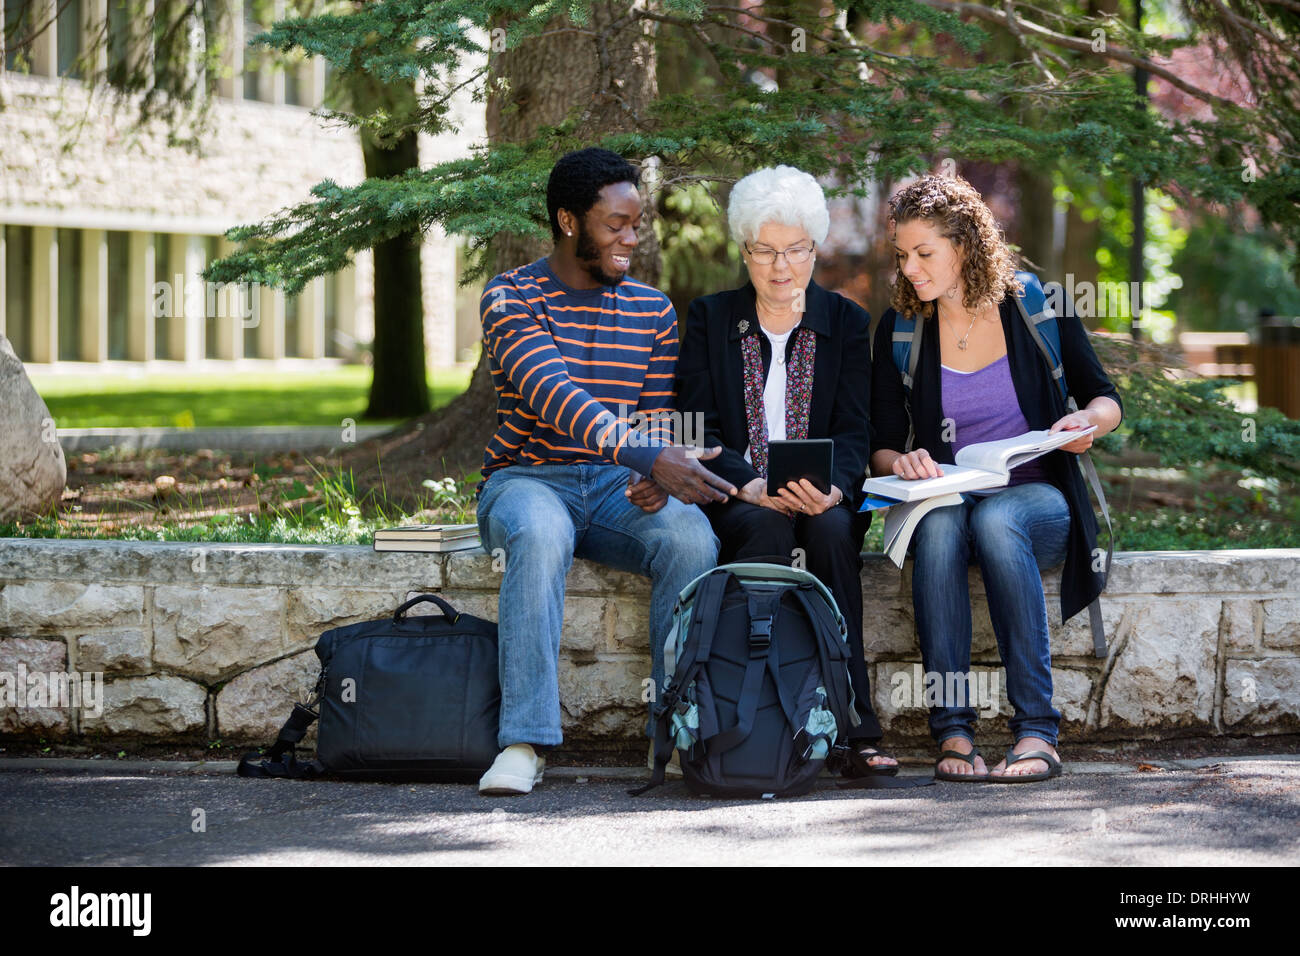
959 777
856 762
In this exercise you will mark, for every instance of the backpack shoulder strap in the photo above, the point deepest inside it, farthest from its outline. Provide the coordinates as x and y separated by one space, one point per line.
1040 320
906 346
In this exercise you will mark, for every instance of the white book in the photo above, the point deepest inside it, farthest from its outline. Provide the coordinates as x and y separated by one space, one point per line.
415 544
979 467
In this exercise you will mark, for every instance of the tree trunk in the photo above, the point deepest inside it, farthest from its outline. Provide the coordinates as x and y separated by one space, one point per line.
539 83
399 387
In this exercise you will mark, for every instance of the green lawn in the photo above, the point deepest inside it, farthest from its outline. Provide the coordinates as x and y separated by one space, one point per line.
211 400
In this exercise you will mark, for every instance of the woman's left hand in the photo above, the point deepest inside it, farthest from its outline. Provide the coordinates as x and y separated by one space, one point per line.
1073 422
803 498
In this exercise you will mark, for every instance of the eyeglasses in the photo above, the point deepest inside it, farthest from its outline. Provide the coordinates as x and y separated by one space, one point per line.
795 255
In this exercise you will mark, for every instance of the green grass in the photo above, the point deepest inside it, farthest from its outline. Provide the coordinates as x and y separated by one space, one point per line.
230 399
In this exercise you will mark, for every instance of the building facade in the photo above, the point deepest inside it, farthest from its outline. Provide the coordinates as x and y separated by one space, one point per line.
105 227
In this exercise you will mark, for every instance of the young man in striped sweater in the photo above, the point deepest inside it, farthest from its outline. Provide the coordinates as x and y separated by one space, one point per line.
580 354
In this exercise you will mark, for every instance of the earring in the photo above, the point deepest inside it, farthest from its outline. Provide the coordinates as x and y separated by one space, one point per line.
952 293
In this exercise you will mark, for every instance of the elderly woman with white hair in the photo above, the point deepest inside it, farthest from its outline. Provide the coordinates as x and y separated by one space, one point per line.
783 358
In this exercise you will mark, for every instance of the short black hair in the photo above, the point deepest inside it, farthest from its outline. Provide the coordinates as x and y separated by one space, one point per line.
578 178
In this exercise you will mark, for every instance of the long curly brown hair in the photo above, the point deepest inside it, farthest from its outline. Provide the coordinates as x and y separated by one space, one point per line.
958 212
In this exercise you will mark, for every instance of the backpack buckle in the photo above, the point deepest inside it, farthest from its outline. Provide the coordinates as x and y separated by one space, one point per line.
760 633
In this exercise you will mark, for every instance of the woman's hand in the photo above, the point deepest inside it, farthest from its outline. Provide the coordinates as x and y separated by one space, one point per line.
916 465
755 492
1073 422
802 497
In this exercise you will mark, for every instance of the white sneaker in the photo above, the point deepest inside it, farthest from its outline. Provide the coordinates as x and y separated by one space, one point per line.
516 770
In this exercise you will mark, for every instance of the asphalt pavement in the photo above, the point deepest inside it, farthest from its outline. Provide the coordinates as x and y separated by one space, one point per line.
1241 811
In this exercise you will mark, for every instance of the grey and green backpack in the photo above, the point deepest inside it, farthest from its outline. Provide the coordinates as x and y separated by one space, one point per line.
759 691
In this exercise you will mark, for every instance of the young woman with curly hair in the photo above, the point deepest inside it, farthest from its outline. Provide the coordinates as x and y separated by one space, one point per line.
980 378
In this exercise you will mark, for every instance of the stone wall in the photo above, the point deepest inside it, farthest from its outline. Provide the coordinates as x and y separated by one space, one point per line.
199 642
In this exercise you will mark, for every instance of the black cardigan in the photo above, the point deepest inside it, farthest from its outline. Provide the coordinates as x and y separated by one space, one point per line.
1040 402
711 379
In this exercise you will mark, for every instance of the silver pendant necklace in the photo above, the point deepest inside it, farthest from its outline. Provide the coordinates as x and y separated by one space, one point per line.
961 342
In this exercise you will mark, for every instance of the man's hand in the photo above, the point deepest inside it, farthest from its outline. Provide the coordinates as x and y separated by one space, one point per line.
802 497
645 493
678 471
755 492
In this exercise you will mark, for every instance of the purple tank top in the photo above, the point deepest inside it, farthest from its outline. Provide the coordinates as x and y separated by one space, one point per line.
983 407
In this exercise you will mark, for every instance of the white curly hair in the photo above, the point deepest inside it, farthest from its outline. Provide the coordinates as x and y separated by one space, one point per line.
777 194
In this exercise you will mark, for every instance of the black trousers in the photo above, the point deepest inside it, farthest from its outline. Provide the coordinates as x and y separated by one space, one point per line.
832 547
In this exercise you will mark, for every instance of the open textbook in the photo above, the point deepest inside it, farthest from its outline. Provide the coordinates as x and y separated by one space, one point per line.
979 467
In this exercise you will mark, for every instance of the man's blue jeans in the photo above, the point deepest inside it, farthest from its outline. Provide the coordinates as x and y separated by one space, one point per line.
1012 534
545 515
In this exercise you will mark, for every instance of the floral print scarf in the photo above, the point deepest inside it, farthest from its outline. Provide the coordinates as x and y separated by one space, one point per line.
798 392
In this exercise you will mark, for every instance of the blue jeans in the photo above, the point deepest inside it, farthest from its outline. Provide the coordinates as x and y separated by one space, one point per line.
1013 535
545 515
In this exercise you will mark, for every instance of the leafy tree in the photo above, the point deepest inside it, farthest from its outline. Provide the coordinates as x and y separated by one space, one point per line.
830 92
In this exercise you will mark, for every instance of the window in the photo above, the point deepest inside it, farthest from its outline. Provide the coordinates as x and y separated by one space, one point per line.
332 315
18 24
253 62
18 289
69 26
69 294
292 310
216 308
162 276
119 41
119 275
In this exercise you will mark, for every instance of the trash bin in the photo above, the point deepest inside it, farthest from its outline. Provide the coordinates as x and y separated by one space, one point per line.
1277 364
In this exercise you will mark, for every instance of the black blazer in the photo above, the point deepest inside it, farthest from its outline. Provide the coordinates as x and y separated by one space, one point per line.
1040 402
711 379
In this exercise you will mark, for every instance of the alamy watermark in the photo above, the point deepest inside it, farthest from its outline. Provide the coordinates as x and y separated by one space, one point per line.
979 689
23 689
1096 300
686 428
212 300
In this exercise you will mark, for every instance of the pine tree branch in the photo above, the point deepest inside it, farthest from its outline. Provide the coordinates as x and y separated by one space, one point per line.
1111 51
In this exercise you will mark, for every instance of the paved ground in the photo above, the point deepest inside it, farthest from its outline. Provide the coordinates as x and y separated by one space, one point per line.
1236 811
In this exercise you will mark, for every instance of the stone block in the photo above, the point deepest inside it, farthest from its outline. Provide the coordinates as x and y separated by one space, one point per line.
24 708
887 627
628 624
211 632
1071 691
49 605
1281 624
119 651
159 706
1074 637
312 610
1262 693
254 705
1165 675
603 698
1241 624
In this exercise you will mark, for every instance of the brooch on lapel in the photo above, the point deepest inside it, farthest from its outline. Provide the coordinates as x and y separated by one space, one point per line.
743 327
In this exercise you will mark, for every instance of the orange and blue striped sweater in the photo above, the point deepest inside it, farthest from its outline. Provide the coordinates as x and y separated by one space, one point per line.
581 375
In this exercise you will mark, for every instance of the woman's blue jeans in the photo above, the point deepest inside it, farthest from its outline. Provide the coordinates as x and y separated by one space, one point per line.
1013 535
542 516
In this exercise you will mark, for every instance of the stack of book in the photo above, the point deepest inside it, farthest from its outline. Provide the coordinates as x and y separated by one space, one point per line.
428 537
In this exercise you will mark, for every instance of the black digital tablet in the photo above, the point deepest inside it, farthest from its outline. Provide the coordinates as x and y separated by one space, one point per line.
792 460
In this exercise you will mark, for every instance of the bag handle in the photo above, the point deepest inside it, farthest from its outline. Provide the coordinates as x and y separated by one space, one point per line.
448 611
